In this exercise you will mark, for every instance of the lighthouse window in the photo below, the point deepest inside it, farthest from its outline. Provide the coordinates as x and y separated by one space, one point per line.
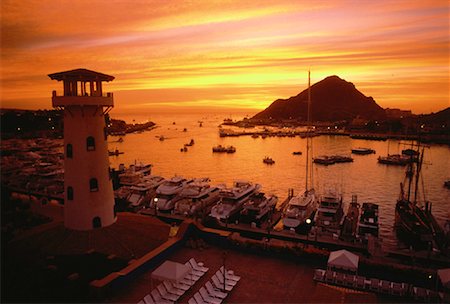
93 184
69 193
69 151
97 222
90 143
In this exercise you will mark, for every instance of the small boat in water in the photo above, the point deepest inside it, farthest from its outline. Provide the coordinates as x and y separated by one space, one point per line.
257 208
166 193
297 153
394 159
368 221
363 151
268 160
115 153
324 160
223 149
196 198
232 200
447 184
191 143
341 159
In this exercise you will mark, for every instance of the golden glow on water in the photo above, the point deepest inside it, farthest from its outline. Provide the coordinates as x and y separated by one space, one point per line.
364 177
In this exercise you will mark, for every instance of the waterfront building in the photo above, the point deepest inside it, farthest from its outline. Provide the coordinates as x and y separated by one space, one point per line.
89 197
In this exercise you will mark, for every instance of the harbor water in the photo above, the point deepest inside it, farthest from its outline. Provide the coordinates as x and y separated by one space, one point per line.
365 177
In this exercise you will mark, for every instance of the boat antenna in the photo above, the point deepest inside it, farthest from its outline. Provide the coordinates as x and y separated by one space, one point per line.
307 131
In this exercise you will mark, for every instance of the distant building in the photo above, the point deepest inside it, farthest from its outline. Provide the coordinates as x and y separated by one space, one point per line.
89 197
397 113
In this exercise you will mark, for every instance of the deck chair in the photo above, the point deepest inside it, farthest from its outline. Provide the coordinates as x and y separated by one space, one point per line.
199 299
227 281
219 285
167 295
198 266
214 292
193 271
171 289
180 285
192 301
208 298
148 299
230 276
158 299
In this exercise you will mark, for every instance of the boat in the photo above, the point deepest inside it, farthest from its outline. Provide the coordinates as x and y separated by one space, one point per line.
167 193
115 153
133 174
414 223
223 149
258 208
120 139
447 184
232 200
368 220
394 159
341 159
297 153
330 213
196 198
255 136
300 209
349 229
162 138
324 160
363 151
191 143
268 160
184 149
185 130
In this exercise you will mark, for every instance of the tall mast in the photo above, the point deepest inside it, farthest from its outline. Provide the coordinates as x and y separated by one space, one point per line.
308 129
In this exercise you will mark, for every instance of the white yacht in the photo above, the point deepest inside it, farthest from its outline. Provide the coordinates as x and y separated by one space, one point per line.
258 207
142 193
133 174
167 193
196 197
300 210
330 213
232 200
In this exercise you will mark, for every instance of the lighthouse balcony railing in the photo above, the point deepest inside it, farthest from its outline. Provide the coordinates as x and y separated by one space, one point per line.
105 99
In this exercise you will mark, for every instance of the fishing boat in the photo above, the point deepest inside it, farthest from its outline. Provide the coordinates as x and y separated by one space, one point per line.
232 200
368 221
223 149
268 160
394 159
414 223
341 159
196 198
299 212
330 213
258 208
363 151
324 160
167 193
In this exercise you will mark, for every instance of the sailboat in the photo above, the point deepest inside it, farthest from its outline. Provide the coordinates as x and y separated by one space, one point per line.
300 209
415 224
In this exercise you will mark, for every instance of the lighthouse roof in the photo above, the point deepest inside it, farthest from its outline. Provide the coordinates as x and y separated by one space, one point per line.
82 75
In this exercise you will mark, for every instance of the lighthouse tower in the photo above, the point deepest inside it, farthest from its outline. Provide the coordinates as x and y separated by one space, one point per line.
89 197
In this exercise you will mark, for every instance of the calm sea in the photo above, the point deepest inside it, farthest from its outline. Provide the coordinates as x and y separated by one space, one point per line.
370 181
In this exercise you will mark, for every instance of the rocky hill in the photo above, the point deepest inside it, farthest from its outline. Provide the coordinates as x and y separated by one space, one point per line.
332 99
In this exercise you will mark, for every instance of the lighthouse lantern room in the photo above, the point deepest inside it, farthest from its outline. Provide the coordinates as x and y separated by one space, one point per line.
89 197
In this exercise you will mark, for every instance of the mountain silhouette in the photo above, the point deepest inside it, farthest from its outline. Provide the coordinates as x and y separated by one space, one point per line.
332 99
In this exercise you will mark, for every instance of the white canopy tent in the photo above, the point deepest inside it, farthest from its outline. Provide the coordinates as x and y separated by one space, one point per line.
444 276
343 259
171 271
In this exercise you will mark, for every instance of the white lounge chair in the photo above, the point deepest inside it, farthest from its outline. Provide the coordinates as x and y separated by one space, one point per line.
227 281
230 274
167 295
158 299
188 281
192 301
170 288
198 266
219 285
192 271
199 299
208 298
215 292
148 299
180 285
141 302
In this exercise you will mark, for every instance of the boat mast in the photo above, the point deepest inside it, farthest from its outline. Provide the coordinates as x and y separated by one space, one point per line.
419 168
307 130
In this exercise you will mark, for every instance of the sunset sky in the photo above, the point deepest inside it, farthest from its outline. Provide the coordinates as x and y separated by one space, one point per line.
227 54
